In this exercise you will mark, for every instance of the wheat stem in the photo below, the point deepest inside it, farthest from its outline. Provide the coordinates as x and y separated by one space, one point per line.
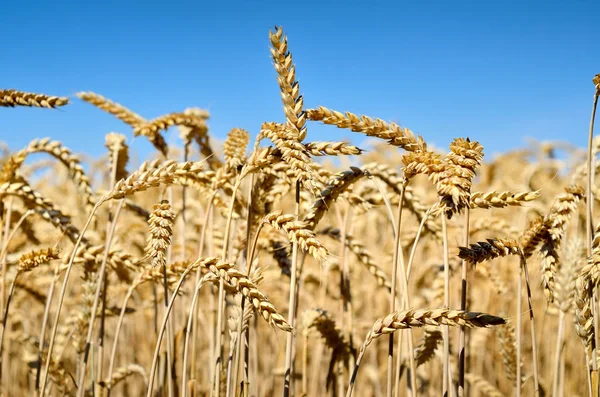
518 377
536 378
165 321
291 307
101 281
557 384
61 299
193 311
589 226
446 381
463 306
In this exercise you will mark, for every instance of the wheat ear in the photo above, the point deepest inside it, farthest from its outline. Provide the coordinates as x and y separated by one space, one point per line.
154 174
123 373
71 161
454 182
391 132
234 148
332 149
161 230
293 102
248 289
502 199
27 262
119 153
336 186
418 318
293 152
12 98
116 109
508 348
297 231
490 249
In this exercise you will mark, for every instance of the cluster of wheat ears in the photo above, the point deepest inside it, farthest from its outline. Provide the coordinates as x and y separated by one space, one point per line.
260 271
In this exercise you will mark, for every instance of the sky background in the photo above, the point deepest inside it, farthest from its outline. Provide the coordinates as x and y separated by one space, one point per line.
495 71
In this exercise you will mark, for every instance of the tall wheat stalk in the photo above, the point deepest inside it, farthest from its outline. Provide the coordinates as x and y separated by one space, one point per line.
589 226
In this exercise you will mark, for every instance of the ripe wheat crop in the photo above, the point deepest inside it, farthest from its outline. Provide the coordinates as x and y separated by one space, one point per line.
260 268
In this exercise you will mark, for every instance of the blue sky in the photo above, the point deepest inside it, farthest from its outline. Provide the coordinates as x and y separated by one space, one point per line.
496 71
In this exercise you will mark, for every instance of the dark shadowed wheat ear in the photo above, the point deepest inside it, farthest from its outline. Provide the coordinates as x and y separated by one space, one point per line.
336 185
426 349
42 205
490 249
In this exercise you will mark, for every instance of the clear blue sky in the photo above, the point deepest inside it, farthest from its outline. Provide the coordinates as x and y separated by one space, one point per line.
495 71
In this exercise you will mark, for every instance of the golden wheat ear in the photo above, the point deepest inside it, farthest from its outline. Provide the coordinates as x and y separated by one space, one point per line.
12 98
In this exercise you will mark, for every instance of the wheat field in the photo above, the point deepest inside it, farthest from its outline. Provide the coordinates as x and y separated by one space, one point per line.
279 266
